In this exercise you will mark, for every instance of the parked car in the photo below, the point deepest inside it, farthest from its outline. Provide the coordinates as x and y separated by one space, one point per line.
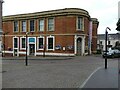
111 54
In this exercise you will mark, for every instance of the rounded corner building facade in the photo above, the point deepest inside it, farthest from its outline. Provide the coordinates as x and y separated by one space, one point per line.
62 32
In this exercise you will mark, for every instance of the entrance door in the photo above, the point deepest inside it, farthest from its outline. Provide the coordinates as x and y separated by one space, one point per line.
79 46
32 49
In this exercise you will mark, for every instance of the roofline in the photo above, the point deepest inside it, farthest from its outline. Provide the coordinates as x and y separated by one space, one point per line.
109 34
58 12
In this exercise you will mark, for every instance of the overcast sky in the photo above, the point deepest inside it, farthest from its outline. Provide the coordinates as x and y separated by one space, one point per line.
106 11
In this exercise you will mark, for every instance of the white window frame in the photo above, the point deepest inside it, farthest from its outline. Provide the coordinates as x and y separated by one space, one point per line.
17 43
17 26
22 25
82 28
38 43
21 43
53 42
53 24
40 25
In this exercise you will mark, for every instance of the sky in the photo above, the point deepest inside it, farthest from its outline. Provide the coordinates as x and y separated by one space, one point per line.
106 11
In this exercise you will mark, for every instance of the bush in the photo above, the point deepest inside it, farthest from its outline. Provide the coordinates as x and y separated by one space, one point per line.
99 51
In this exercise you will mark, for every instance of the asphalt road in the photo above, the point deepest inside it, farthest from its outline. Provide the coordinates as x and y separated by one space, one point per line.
70 73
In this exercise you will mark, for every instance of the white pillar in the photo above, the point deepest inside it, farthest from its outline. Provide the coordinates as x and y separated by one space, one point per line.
83 45
75 44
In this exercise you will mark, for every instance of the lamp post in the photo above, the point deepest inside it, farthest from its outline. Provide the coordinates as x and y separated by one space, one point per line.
106 36
26 60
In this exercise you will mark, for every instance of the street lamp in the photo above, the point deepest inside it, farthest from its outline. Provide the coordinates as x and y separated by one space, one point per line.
106 36
26 60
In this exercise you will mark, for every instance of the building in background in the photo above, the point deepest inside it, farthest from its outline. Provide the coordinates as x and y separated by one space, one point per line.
1 1
113 39
62 32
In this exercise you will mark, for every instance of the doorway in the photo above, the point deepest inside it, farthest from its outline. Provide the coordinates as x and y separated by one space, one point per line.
31 49
79 46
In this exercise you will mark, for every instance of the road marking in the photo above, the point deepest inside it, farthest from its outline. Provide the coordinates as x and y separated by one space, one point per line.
89 77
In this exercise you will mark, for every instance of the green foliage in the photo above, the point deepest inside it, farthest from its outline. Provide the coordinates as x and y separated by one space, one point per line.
99 51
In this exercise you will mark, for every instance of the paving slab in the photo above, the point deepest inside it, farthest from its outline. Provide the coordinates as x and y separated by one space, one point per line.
103 78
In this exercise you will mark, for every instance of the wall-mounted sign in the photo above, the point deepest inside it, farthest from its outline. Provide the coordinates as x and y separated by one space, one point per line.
58 47
31 40
70 47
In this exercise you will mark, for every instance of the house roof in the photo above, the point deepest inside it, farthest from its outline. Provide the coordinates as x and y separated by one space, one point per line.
110 36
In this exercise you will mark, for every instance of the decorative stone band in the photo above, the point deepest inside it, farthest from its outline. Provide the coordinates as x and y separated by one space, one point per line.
46 35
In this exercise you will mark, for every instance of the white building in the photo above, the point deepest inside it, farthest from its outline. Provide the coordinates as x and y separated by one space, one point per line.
112 39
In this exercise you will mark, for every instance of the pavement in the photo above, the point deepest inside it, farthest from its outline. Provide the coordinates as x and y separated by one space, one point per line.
104 78
68 72
37 58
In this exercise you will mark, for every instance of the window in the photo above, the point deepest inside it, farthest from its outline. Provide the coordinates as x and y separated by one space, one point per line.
15 42
31 25
41 43
50 43
41 25
80 23
101 42
15 26
23 43
23 26
50 24
108 42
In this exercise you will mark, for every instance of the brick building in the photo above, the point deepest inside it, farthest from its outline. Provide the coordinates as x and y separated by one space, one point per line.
63 32
1 1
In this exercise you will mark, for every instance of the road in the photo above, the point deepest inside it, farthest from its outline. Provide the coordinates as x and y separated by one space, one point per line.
70 73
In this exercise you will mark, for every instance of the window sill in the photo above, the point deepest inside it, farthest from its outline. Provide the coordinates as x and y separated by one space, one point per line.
22 48
50 30
40 49
16 32
79 30
50 49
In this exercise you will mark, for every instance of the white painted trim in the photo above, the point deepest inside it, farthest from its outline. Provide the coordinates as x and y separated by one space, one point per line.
53 42
22 26
8 52
83 44
38 42
53 24
75 44
28 44
77 23
21 43
56 54
17 46
46 53
14 26
43 25
22 52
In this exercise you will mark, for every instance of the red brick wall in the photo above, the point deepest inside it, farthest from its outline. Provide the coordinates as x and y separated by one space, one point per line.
94 38
63 25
